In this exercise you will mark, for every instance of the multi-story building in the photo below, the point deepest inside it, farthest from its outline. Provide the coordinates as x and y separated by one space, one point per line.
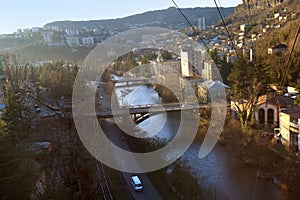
289 131
207 72
87 41
201 23
72 32
191 62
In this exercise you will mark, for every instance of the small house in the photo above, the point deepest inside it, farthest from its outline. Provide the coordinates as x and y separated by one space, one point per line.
269 107
277 49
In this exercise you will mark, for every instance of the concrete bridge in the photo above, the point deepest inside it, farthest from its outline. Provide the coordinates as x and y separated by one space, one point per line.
142 112
125 82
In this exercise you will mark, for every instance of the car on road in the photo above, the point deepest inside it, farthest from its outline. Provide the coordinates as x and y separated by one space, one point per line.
136 183
186 106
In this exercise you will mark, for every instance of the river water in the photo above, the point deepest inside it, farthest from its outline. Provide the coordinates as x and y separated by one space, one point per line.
220 172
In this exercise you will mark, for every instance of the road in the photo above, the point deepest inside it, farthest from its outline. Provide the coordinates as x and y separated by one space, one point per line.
149 192
115 135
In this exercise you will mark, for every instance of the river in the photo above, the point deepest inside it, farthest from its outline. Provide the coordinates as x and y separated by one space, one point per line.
220 172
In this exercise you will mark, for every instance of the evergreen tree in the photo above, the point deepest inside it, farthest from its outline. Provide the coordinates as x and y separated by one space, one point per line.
18 168
247 81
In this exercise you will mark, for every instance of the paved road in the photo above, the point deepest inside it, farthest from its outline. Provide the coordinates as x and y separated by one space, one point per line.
149 192
115 135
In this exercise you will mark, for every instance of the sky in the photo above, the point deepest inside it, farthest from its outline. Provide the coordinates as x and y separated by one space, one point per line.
36 13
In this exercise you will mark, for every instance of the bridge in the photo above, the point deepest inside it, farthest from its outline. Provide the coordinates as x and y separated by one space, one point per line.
139 113
124 82
142 112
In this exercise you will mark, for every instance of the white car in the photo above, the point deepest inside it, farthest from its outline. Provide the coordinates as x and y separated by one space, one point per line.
136 183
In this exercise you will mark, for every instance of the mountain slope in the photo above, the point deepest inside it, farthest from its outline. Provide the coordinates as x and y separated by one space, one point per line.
168 16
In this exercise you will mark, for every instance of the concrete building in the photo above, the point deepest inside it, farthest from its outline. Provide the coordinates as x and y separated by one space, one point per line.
252 55
191 62
87 41
207 72
201 23
289 121
72 32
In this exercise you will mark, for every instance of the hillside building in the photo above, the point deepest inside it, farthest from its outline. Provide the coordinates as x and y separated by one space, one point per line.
201 23
289 131
278 48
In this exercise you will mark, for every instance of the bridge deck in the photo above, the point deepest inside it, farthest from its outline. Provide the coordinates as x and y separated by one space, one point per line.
151 108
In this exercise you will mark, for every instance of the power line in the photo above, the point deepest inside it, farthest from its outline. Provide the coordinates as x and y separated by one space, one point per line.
186 19
290 58
249 11
225 25
221 8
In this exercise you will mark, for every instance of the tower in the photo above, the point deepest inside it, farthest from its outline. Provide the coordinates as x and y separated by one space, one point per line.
201 23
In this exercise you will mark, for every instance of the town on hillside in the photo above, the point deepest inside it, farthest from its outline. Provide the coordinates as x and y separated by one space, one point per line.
233 77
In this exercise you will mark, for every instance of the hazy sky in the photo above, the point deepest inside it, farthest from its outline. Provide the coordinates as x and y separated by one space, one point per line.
30 13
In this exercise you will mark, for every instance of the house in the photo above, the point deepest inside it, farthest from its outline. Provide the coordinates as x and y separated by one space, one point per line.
277 49
269 107
212 89
289 130
244 27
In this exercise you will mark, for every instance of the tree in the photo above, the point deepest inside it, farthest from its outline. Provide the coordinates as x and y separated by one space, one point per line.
247 81
59 78
16 116
17 167
297 101
15 71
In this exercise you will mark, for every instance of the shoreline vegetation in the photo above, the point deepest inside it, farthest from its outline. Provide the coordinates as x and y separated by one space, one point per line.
259 149
273 162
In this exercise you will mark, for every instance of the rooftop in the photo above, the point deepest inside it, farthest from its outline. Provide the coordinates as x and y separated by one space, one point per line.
279 46
274 99
293 112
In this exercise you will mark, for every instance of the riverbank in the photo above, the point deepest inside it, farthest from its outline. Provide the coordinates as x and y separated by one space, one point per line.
258 149
236 168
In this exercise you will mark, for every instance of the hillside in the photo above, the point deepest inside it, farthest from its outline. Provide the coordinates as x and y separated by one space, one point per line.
170 16
271 24
31 46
